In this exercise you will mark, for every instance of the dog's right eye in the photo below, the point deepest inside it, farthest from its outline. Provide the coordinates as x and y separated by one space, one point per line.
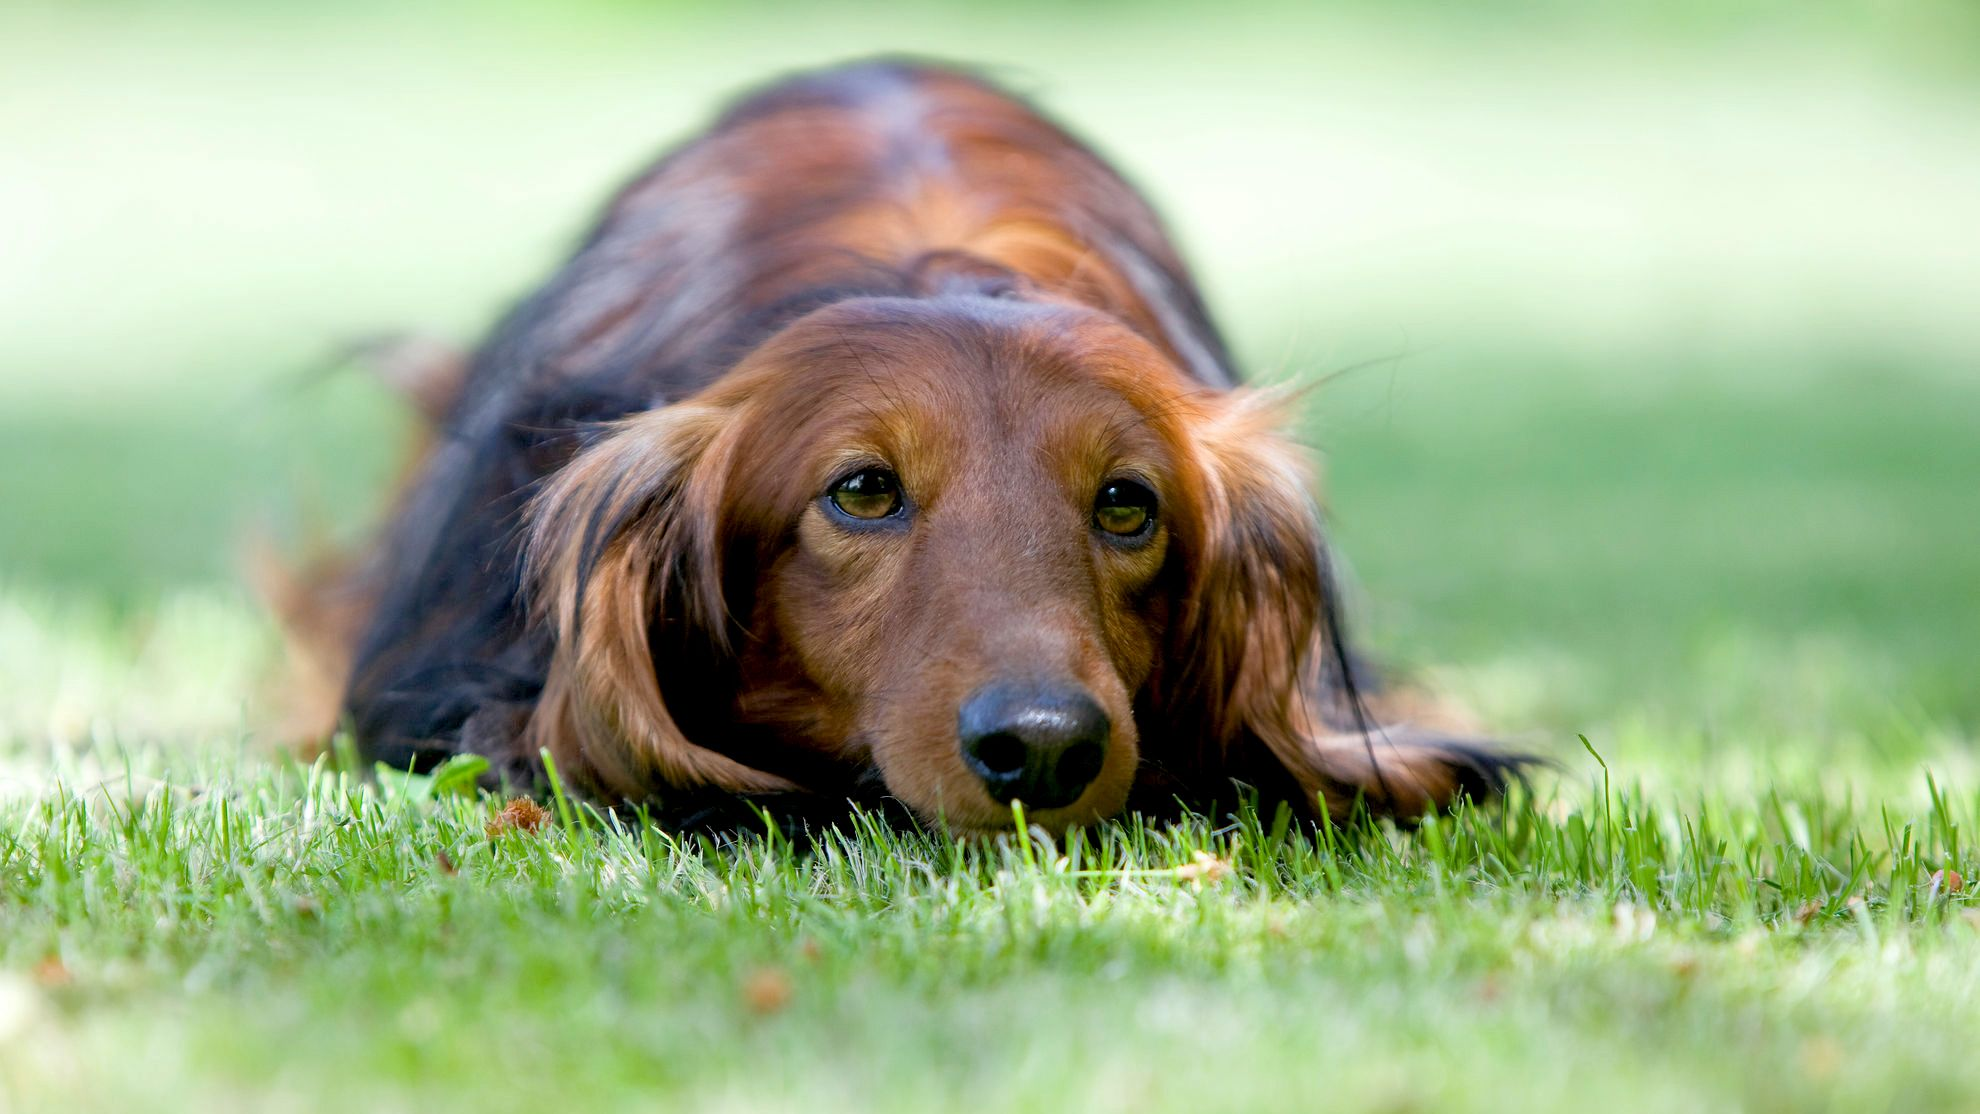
1124 509
869 493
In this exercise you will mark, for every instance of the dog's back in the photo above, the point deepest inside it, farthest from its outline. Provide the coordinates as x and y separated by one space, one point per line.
875 178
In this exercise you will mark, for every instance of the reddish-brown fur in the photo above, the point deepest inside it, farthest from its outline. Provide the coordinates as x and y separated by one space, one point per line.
880 265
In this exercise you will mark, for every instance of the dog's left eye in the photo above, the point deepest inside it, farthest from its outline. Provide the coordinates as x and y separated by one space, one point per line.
868 493
1124 508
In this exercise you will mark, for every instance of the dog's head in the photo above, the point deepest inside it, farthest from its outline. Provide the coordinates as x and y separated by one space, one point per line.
994 550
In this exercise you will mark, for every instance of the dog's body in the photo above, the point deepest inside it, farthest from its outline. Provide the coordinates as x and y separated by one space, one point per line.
875 444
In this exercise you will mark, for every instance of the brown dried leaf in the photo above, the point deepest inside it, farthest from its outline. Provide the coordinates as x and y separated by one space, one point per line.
1944 883
520 815
1206 868
767 990
52 974
446 864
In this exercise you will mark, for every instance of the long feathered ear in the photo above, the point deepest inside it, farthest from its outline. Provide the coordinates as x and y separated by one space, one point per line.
623 555
1261 656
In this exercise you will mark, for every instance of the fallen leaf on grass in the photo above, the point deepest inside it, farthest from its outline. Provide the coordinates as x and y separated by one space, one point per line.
1206 868
767 990
1944 883
520 815
52 974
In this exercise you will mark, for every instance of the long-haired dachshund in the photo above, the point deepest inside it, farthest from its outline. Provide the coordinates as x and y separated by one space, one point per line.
876 445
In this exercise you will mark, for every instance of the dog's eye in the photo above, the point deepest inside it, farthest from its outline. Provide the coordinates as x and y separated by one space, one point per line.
868 493
1124 508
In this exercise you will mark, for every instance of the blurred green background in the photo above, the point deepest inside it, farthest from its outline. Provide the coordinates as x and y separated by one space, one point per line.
1648 330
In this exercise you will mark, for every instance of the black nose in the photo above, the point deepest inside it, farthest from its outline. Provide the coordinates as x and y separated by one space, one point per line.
1040 744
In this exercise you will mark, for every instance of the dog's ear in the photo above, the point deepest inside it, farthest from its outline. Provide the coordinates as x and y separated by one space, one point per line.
1252 573
1259 659
624 559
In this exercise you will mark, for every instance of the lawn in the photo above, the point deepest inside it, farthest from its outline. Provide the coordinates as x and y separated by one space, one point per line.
1650 418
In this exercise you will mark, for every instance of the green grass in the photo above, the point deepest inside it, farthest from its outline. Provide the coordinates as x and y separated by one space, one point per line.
1679 452
291 934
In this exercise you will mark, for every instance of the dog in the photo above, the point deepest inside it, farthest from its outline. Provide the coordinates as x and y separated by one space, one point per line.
875 445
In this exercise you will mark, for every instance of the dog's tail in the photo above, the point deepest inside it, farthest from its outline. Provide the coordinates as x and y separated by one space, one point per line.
320 602
323 598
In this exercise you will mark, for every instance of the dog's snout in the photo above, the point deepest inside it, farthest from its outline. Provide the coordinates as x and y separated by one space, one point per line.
1039 744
